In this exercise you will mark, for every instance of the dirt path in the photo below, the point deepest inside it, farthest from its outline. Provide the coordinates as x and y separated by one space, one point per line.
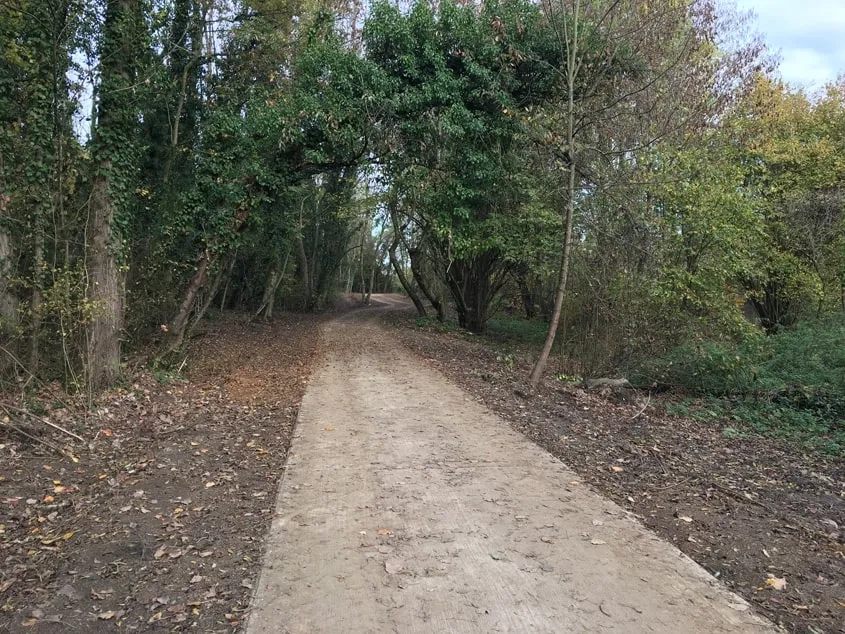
407 507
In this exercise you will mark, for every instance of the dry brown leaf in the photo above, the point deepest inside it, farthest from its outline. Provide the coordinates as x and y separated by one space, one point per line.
776 583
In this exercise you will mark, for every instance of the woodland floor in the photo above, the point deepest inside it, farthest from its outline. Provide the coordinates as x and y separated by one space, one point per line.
751 511
159 524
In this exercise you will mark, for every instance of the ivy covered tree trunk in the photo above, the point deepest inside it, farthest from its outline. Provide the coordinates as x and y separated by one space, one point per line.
105 290
114 161
8 300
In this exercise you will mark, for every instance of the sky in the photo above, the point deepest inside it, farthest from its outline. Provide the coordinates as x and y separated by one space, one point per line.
810 35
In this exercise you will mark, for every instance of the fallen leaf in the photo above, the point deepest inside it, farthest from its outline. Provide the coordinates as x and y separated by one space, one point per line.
329 428
685 518
105 616
597 542
776 583
382 531
617 468
196 578
208 485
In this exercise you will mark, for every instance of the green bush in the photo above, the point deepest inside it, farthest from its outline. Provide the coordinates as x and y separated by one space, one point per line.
806 369
790 385
517 330
706 368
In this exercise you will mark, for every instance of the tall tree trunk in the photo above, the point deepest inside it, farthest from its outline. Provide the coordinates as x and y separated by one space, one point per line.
114 154
36 298
8 300
271 298
361 267
198 281
572 52
209 297
104 289
397 265
422 282
303 259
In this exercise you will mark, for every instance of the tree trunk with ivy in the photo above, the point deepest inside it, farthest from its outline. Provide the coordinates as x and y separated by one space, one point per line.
8 300
114 163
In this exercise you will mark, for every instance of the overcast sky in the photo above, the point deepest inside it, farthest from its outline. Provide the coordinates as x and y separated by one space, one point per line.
809 33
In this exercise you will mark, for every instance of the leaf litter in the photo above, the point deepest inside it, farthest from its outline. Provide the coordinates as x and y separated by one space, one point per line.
157 520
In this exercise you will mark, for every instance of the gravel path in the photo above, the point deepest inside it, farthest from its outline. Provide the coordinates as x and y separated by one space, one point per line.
408 507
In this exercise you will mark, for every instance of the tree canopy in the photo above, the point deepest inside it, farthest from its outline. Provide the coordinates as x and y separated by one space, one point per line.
632 172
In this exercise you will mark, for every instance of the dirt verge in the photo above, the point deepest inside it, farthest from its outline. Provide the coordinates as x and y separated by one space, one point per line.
156 522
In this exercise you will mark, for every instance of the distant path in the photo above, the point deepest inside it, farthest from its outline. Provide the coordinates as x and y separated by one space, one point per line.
408 507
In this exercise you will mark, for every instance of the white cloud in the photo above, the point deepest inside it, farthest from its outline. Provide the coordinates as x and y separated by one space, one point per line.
809 34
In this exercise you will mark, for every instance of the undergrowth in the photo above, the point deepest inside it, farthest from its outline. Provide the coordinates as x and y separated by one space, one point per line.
790 385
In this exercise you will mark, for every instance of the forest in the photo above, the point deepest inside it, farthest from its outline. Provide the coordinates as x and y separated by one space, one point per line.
629 181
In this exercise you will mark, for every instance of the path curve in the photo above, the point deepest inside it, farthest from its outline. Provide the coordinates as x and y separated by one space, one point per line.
408 507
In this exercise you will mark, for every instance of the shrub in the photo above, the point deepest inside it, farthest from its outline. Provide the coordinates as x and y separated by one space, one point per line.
706 368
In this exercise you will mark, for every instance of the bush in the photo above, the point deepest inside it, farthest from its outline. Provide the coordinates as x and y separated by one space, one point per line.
807 369
706 368
789 385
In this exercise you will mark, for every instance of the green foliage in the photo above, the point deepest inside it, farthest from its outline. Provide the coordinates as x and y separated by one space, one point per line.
707 367
454 83
806 369
792 385
518 331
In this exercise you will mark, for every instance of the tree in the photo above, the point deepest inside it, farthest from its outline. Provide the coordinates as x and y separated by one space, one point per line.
634 72
454 80
115 155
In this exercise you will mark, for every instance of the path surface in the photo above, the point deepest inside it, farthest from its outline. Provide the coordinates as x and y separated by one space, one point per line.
408 507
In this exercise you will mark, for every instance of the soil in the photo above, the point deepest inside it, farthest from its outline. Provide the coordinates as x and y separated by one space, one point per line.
156 521
763 516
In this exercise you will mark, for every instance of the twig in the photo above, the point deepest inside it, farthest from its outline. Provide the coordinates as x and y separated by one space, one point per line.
673 485
172 430
8 407
179 371
737 495
644 406
31 437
